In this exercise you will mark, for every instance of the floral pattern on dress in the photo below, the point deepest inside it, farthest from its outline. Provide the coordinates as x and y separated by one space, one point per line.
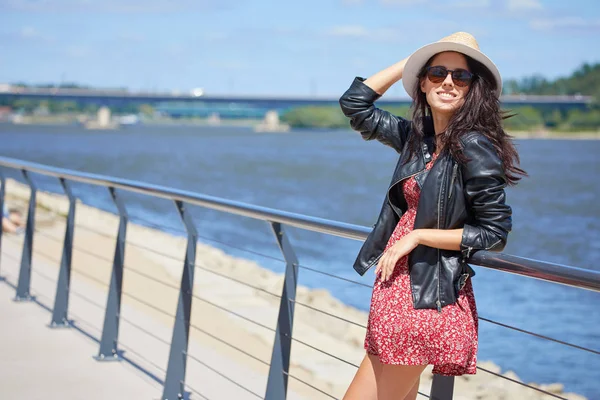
400 334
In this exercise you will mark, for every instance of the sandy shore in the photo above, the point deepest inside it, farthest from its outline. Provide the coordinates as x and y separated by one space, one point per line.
158 255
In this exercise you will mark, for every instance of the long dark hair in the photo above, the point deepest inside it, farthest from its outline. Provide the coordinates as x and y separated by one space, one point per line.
480 112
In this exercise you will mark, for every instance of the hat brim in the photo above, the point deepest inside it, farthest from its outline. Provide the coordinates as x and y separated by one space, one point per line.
418 59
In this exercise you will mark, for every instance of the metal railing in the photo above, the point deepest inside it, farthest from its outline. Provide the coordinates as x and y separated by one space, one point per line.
279 363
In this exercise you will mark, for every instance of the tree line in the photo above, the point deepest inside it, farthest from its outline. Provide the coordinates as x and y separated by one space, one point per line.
584 81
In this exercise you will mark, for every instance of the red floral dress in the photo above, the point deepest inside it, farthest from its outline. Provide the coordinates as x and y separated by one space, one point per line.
399 334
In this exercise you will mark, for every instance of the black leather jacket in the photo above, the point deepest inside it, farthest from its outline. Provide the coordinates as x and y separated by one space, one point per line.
453 196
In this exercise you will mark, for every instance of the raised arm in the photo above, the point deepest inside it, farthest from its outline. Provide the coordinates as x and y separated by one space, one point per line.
373 123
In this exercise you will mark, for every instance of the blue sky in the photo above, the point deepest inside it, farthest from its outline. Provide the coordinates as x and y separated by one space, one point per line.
278 47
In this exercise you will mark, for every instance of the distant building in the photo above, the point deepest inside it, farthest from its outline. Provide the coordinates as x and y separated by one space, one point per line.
5 113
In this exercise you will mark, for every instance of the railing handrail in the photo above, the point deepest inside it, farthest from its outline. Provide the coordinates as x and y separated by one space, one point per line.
551 272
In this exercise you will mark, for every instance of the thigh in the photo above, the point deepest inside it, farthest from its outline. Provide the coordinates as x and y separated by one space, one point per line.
364 386
412 395
397 381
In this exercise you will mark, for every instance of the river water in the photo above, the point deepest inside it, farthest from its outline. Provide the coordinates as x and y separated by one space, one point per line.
338 176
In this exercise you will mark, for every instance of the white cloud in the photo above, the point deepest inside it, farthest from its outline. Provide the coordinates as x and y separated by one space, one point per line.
402 2
131 37
352 31
520 5
113 6
227 65
31 34
565 23
390 35
78 51
472 3
28 32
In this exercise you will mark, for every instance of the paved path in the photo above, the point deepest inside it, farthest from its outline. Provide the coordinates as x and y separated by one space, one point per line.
37 362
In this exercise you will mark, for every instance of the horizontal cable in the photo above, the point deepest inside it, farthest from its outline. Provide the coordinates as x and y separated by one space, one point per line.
77 248
541 336
163 227
105 259
87 228
160 310
238 281
334 316
160 227
98 281
324 352
230 345
172 229
242 249
50 258
329 314
81 321
224 376
195 391
336 276
234 313
127 268
41 275
309 385
144 330
521 383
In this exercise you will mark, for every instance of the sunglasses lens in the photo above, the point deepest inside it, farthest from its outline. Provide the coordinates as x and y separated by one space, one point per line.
461 77
437 74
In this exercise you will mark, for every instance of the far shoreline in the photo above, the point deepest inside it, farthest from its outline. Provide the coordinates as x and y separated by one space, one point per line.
56 121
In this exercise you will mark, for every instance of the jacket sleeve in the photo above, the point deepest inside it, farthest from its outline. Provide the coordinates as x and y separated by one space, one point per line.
373 123
484 183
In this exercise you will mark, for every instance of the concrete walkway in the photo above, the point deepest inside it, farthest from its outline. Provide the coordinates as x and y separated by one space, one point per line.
37 362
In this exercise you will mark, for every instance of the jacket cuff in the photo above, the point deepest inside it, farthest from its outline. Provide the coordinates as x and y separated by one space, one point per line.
358 86
471 241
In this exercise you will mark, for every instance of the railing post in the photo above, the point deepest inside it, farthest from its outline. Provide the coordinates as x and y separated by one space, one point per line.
110 331
442 387
24 284
175 378
2 191
282 346
61 300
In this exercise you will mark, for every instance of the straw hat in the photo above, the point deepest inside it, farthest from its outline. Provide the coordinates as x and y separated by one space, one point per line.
460 42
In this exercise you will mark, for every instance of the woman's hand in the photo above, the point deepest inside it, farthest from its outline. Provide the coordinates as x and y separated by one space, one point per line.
390 258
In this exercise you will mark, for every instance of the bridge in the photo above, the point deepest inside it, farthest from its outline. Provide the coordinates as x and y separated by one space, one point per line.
238 106
65 299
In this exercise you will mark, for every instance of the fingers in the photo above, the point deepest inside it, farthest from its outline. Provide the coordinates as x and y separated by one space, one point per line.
386 265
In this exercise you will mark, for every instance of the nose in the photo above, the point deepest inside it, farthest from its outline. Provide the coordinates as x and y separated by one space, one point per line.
448 82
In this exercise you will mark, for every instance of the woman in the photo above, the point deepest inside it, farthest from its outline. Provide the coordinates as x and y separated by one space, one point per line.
446 201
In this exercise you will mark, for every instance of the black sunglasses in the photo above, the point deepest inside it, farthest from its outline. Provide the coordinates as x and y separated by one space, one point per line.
438 73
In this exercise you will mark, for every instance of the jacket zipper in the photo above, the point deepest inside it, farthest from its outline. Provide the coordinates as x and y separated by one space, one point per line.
397 182
454 173
438 302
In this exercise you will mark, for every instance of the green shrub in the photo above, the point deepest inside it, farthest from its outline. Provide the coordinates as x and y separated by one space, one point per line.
525 118
315 117
578 120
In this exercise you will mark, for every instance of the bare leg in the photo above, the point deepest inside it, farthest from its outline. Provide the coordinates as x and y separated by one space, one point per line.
8 226
16 218
412 395
364 386
397 381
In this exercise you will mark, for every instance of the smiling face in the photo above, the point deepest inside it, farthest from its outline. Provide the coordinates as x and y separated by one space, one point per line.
445 97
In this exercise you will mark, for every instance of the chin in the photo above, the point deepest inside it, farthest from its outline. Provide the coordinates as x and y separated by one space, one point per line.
446 107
